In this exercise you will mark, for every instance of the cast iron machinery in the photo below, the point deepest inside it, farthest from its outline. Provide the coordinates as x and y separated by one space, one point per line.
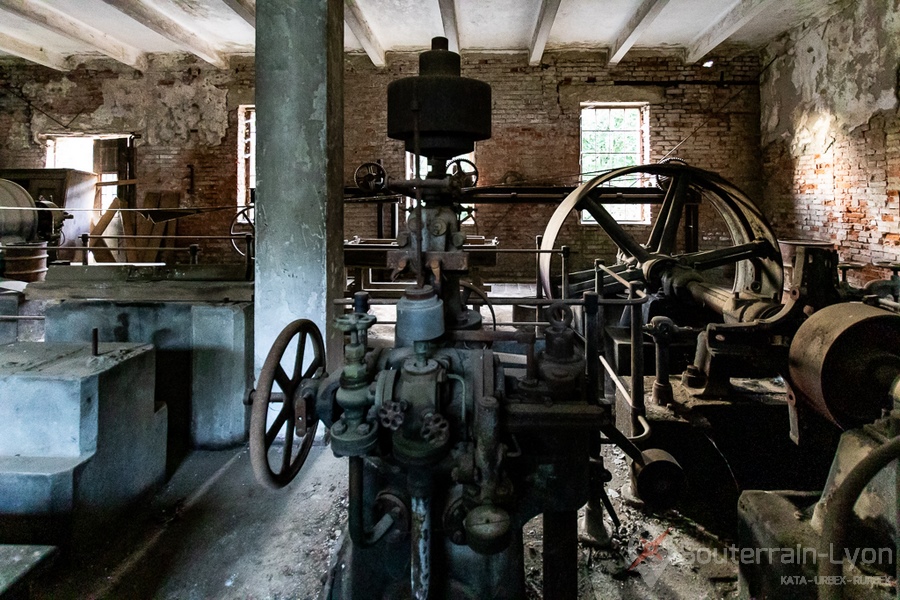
453 446
450 451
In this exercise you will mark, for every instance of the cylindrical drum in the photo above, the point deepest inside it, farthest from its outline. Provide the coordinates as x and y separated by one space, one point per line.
844 360
18 217
25 262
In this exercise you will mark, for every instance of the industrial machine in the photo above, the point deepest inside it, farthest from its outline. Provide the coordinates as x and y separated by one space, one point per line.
457 434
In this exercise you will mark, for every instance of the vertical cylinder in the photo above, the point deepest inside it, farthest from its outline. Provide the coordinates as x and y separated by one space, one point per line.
420 571
637 358
487 436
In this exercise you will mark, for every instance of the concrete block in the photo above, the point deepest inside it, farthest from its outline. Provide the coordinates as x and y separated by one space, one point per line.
204 360
9 306
81 436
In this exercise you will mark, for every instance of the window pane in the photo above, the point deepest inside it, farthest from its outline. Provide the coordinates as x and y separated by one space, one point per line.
588 119
617 118
633 118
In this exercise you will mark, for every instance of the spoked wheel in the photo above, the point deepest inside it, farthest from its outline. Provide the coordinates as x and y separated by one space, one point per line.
754 249
242 224
288 416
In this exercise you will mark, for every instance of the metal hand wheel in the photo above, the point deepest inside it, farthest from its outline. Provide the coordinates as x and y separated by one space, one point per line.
291 412
241 225
370 177
465 170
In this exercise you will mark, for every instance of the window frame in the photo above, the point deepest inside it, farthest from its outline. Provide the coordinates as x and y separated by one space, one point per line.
642 156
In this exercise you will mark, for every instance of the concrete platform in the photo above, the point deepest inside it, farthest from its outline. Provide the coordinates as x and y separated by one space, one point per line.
81 437
204 365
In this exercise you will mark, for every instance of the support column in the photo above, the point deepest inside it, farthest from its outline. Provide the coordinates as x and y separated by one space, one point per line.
299 203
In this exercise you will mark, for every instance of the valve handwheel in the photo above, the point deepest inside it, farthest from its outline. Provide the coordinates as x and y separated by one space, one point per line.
370 177
296 415
465 170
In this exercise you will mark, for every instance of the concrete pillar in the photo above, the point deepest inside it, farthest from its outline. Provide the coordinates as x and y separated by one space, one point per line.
299 211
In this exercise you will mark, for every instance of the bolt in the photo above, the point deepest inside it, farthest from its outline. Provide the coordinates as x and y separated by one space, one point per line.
457 537
363 429
339 428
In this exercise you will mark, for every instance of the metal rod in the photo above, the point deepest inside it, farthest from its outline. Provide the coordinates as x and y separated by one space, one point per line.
22 317
637 357
565 272
170 237
507 301
538 289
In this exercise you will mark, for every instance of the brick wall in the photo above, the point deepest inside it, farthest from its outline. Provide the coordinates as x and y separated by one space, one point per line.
184 111
831 134
536 132
186 114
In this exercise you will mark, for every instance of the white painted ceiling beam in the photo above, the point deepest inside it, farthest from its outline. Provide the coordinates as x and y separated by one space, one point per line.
245 9
170 29
639 22
48 18
35 54
355 19
731 22
448 18
545 20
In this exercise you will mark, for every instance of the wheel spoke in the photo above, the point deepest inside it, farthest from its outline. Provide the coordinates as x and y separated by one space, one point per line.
710 259
286 385
659 224
313 366
272 433
288 448
612 228
298 359
673 217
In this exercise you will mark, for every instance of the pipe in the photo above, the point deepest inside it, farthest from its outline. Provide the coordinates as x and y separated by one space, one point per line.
355 519
838 509
420 571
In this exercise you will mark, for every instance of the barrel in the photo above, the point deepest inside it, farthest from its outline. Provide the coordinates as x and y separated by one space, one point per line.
25 262
18 217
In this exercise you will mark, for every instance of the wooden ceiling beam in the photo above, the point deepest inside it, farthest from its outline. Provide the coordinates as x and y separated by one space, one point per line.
170 29
639 22
245 9
358 24
730 23
547 15
60 23
32 53
448 18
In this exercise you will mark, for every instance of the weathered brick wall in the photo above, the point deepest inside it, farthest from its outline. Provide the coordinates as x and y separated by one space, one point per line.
831 134
536 132
186 114
184 111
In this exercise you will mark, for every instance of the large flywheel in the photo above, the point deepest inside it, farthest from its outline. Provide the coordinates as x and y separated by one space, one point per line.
753 252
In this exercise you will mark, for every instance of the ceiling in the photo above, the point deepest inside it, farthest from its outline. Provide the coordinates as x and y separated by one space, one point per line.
56 32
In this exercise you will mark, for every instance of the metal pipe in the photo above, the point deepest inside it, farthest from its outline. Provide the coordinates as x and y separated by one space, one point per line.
639 299
591 338
22 317
356 517
840 505
637 357
538 289
95 342
420 571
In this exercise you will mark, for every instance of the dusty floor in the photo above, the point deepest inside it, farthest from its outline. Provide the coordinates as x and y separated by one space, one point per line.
214 533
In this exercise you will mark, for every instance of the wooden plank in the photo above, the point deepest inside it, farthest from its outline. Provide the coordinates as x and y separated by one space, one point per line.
166 200
58 22
35 54
106 218
143 226
102 252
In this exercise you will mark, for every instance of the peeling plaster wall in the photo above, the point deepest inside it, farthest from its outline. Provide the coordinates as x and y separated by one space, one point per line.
831 131
184 111
186 114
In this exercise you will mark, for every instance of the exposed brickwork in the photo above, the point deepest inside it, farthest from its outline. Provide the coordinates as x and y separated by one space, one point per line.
186 113
536 132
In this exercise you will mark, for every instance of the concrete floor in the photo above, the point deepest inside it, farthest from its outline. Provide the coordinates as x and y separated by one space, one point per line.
214 533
